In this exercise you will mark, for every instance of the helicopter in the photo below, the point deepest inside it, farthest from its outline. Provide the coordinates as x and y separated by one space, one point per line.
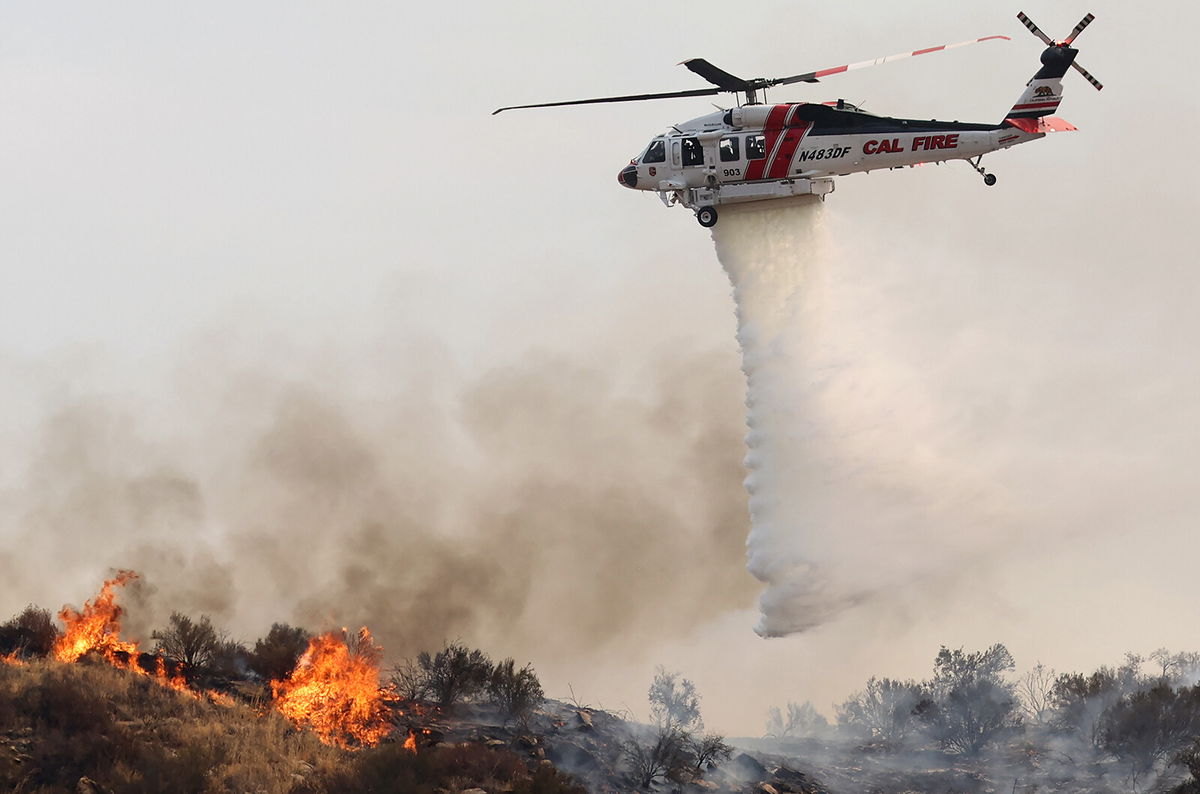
760 152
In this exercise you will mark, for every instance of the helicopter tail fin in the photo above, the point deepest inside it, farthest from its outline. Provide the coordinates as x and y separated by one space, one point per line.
1043 92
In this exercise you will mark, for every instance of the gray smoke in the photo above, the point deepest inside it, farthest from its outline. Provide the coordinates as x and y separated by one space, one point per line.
544 509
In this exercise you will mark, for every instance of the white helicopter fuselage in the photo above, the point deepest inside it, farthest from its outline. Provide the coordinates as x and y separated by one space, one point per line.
758 152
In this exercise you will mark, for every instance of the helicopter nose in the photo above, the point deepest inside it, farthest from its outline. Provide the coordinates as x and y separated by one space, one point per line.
628 176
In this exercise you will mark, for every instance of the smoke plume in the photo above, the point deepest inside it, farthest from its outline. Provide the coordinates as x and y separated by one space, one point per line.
541 510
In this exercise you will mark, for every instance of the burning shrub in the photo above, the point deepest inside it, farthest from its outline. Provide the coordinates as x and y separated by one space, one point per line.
275 656
516 692
193 644
97 628
33 632
455 673
335 690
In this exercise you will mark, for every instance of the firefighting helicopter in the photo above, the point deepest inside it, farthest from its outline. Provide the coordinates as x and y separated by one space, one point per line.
759 152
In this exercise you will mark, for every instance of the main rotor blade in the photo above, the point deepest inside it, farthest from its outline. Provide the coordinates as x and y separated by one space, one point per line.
1034 29
630 98
1088 76
1083 23
812 77
718 77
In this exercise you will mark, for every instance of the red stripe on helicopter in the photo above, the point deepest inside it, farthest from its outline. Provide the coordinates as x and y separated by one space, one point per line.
775 140
931 49
773 130
787 150
1036 105
778 117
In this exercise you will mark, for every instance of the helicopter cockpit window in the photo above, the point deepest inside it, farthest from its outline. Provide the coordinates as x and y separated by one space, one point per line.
657 153
693 152
729 149
756 147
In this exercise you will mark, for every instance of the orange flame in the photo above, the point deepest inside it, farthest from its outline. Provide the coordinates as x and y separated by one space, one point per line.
335 690
176 681
97 628
13 658
411 742
220 698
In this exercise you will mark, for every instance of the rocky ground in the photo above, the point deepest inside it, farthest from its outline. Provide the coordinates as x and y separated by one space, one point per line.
587 744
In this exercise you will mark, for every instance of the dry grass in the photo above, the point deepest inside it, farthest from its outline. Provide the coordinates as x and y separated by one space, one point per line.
128 733
60 723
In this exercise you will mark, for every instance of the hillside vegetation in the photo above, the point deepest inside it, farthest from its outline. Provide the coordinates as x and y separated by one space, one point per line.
92 728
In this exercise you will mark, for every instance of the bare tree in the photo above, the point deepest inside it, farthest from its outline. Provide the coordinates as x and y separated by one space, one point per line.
802 720
709 750
674 703
410 680
192 643
1036 690
1177 668
667 756
887 709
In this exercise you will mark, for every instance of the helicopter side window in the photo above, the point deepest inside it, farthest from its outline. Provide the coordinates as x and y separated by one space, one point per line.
693 152
729 149
657 153
756 147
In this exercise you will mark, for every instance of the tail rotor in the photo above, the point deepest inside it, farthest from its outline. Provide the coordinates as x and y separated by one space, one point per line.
1065 43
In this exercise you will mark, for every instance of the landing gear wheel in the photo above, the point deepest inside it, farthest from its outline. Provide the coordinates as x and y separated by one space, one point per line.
707 216
989 179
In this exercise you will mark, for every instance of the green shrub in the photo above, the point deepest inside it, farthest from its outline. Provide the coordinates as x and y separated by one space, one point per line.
516 692
455 673
275 655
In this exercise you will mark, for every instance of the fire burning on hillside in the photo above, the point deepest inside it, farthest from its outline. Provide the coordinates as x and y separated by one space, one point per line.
335 690
96 630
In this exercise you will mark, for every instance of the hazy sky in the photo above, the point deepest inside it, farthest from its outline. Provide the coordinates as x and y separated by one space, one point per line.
206 211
